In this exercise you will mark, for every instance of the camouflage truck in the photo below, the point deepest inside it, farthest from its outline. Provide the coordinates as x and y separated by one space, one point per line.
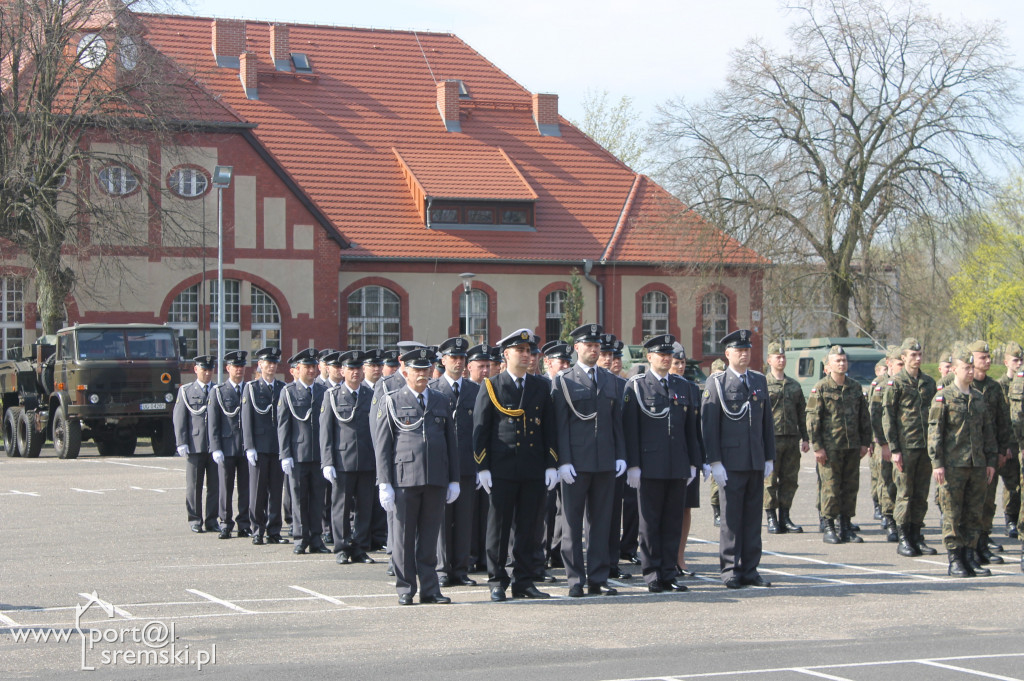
113 383
805 359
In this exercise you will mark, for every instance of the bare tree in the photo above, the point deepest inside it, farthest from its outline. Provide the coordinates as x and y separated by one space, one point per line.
880 116
616 127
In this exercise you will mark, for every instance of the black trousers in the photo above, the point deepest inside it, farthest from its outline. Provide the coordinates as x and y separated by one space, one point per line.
327 523
456 531
615 527
307 504
590 494
661 504
629 544
739 538
378 524
478 540
353 493
544 531
266 484
418 514
518 502
197 468
234 469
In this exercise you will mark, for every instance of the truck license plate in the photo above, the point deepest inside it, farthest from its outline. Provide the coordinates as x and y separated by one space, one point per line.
154 406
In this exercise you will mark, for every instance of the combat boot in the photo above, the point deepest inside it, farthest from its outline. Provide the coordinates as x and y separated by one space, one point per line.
878 510
985 556
892 536
956 564
992 546
1022 558
787 522
918 539
831 536
906 546
821 522
718 515
773 522
971 562
1011 528
846 532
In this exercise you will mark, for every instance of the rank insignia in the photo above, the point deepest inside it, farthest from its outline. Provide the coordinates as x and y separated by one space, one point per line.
707 394
470 412
245 400
537 421
380 414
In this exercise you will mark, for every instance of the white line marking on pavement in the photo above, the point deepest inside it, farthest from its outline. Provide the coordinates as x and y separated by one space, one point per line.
965 670
226 604
293 561
117 610
147 489
812 577
621 585
14 491
324 597
820 675
92 491
133 465
8 621
992 567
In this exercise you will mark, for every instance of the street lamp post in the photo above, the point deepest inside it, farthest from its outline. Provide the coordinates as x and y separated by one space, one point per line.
221 180
467 286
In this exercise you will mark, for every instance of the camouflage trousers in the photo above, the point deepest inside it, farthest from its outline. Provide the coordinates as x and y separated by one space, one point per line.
885 487
912 487
840 481
961 498
1010 474
780 486
873 466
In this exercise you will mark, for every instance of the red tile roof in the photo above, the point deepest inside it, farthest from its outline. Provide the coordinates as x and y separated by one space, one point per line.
344 131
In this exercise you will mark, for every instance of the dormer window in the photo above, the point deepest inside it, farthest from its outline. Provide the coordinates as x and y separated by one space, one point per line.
496 216
463 90
301 62
92 50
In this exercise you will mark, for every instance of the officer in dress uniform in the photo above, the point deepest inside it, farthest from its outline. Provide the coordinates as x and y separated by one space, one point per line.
323 367
298 427
391 363
678 368
625 519
259 437
347 458
192 437
513 440
330 376
739 440
373 370
592 453
417 473
557 356
456 531
225 423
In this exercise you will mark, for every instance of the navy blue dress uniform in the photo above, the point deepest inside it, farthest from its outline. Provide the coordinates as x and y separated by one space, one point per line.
481 499
346 452
192 437
378 518
226 444
739 435
259 438
456 531
659 422
323 379
417 463
625 524
514 440
588 414
298 429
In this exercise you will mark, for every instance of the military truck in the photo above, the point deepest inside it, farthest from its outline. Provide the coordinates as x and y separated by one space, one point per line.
113 383
805 359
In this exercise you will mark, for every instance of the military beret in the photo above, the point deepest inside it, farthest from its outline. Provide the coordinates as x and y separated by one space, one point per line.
739 339
307 356
836 350
963 353
236 358
205 361
353 359
516 338
1014 349
478 353
588 333
717 365
910 345
978 346
376 356
456 347
892 352
268 355
662 345
775 348
419 358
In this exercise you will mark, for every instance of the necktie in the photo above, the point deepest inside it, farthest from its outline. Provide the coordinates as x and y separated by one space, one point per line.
590 372
664 384
423 403
206 390
519 385
455 389
743 380
238 390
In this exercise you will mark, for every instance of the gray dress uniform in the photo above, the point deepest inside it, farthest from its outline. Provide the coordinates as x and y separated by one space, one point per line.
298 431
266 479
417 455
191 430
225 423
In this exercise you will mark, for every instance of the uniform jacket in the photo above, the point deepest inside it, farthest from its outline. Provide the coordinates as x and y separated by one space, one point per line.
259 430
425 455
789 408
960 432
191 428
837 416
345 440
590 446
515 447
999 409
905 405
298 433
225 420
664 448
875 393
743 444
463 409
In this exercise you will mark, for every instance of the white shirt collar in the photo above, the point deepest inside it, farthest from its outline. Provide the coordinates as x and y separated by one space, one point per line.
733 372
451 381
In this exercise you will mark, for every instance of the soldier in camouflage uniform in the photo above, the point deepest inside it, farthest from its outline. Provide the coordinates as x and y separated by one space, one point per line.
716 366
1010 471
962 446
789 409
873 461
886 486
905 404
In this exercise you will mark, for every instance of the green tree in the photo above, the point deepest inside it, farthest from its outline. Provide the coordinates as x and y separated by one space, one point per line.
572 317
616 127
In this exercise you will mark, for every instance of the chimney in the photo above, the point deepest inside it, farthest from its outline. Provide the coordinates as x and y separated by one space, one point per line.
228 41
545 114
247 73
279 52
448 104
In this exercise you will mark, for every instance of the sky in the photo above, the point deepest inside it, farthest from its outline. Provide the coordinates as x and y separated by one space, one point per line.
649 50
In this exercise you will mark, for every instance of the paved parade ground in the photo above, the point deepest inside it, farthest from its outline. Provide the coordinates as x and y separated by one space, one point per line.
108 536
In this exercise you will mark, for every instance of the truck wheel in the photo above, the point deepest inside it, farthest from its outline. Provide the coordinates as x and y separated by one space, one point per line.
10 431
105 444
162 439
30 440
67 434
126 444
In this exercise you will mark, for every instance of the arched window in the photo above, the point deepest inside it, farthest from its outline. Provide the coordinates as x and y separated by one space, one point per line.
184 317
554 313
716 322
188 182
374 318
654 313
232 317
12 314
266 320
478 308
118 180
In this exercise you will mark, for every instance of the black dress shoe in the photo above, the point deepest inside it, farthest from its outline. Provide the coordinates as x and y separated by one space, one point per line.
497 594
672 585
327 538
343 558
576 591
601 589
224 534
529 592
630 558
444 581
733 583
435 600
213 528
616 573
390 572
757 581
277 539
257 539
462 581
684 572
244 533
319 549
299 548
405 599
655 587
197 527
363 558
548 577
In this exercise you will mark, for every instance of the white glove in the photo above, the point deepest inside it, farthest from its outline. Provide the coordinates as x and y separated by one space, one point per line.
182 450
693 474
330 475
251 455
287 465
706 469
633 477
567 473
453 492
620 467
550 478
218 456
718 470
483 481
387 497
769 466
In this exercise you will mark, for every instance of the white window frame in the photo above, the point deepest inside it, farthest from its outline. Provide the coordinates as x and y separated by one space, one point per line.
384 327
715 314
